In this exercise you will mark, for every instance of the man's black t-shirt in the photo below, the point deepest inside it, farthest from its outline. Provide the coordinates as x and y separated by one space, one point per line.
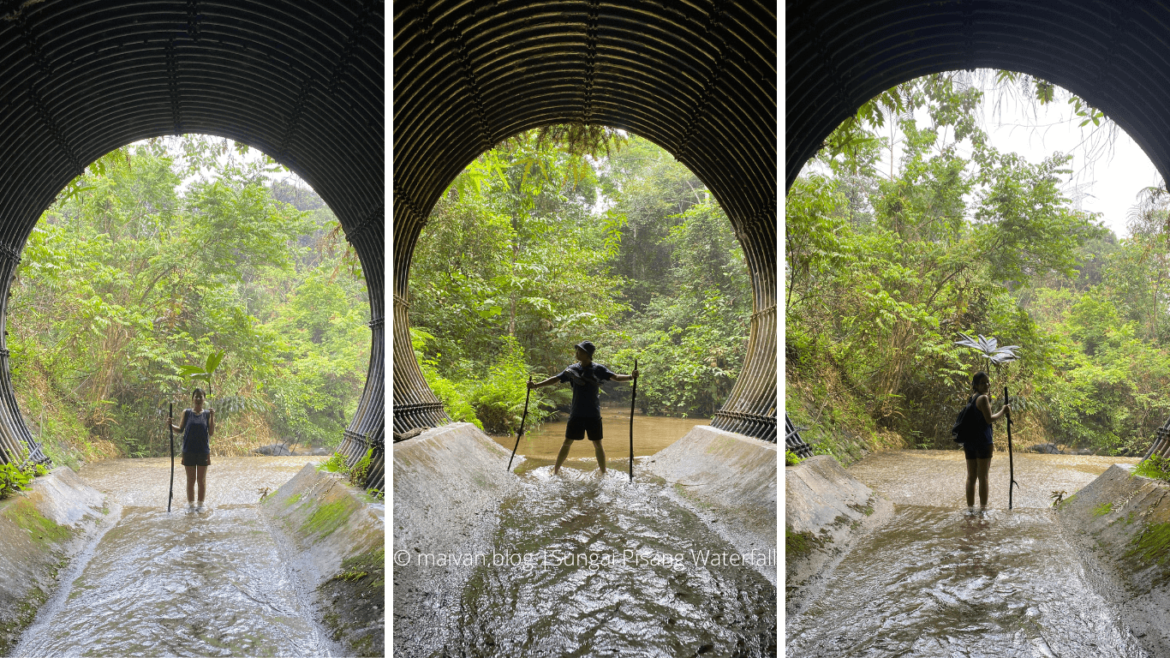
586 382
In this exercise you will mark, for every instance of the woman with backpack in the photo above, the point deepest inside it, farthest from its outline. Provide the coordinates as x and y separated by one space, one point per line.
978 445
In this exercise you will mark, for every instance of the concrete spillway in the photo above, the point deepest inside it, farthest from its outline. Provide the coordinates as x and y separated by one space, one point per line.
489 563
97 566
931 578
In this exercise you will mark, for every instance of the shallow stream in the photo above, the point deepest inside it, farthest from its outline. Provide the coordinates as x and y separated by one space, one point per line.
940 581
215 583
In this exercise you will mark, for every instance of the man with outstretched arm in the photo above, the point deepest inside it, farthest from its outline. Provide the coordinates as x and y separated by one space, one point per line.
585 377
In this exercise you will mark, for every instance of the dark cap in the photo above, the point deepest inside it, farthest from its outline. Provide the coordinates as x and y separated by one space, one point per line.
587 346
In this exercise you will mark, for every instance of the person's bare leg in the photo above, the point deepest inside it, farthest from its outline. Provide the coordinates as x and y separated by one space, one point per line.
201 480
190 484
600 456
972 470
562 455
984 469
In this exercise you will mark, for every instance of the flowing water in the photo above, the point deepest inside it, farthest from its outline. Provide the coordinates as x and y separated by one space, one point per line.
587 566
215 583
939 581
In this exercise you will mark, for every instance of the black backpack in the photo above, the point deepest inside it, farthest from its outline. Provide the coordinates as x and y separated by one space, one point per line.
962 428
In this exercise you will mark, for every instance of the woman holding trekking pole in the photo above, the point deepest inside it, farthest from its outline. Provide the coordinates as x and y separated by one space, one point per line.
978 446
197 427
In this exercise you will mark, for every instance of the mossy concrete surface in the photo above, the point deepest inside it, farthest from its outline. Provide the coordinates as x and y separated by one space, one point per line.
448 485
41 529
729 481
826 510
1121 525
332 526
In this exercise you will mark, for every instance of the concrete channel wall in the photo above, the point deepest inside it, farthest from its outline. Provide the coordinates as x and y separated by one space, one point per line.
729 481
826 510
448 485
337 534
1121 525
41 531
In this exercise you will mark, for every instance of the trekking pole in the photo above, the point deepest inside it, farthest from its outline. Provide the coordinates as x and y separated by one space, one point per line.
633 397
171 429
1011 464
522 419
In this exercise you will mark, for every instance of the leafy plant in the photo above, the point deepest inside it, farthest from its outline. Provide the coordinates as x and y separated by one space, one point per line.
989 349
791 458
1154 467
205 372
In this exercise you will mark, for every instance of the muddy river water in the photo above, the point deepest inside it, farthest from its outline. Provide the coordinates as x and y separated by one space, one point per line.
939 581
215 583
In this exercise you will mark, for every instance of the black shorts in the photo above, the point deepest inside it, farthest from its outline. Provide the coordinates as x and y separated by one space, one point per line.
978 450
577 428
196 459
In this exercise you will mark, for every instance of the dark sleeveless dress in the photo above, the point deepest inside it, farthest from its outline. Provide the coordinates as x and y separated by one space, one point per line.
196 447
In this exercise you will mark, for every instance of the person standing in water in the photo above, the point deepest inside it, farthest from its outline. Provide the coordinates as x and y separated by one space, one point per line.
585 377
978 446
197 427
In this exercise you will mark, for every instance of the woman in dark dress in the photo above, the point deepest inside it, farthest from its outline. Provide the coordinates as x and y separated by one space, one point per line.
979 446
197 426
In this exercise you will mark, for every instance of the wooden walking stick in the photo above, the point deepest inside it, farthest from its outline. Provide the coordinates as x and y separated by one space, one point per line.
171 428
522 419
1011 465
633 397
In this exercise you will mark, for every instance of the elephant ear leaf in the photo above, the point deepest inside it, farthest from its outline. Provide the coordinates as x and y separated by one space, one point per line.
213 361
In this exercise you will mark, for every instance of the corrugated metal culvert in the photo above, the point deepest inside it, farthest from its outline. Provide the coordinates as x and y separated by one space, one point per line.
301 81
698 79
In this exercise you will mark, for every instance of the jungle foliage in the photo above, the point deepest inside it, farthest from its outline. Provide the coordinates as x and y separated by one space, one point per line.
166 253
567 234
886 269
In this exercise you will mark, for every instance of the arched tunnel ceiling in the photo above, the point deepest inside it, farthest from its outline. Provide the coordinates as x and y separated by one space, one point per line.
841 53
698 78
301 81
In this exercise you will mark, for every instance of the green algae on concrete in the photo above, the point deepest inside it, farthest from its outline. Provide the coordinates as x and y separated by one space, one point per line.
1153 544
1102 510
328 517
358 593
340 533
40 529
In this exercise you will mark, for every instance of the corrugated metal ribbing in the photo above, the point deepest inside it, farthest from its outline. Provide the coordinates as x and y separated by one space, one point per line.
696 78
841 53
793 442
370 419
1161 444
301 81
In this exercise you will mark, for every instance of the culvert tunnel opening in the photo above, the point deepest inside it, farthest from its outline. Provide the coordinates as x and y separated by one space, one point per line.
168 255
569 234
698 80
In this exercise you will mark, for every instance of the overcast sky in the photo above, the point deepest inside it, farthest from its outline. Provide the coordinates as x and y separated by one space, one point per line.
1110 182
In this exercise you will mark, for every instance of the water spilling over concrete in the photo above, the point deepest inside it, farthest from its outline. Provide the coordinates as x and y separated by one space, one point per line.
225 581
939 580
491 564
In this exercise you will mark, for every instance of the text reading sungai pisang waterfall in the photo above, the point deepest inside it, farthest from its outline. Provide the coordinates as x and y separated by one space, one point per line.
593 560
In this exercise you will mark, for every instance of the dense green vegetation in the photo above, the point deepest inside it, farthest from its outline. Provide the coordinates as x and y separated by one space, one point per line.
887 265
160 255
539 245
